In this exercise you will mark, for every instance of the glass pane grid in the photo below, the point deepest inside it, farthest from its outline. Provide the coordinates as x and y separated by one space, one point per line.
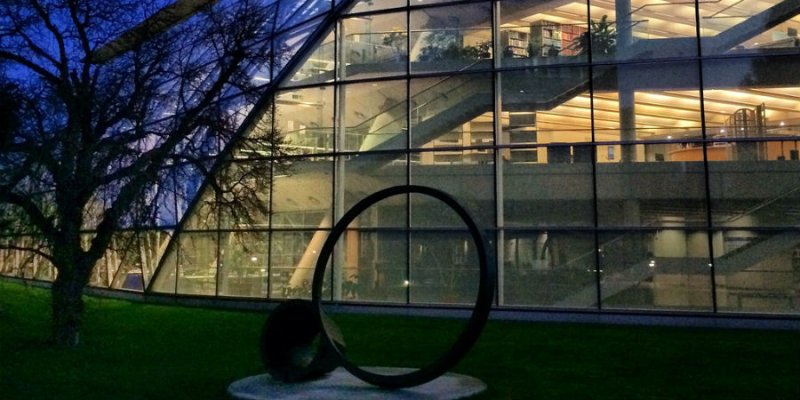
592 152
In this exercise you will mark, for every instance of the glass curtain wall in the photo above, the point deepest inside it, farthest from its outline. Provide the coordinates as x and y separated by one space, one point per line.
132 260
619 155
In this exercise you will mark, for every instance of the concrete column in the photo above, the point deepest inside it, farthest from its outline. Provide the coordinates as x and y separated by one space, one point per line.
627 110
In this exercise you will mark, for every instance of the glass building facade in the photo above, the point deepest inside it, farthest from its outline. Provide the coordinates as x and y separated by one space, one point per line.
619 155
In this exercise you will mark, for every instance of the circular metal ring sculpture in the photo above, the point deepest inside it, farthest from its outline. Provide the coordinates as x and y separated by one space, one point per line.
468 336
288 348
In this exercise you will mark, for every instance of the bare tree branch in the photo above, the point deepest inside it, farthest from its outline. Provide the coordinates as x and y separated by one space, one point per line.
32 210
35 250
16 58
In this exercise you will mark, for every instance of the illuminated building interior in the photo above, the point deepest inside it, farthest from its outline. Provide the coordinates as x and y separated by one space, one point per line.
628 155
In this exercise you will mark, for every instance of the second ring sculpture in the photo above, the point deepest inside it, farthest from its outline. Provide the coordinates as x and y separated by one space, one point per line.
465 340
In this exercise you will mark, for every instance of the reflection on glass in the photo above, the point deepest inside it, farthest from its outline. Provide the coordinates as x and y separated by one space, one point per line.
757 271
293 256
544 105
444 267
627 193
752 113
303 198
243 265
656 101
197 263
451 38
754 193
434 122
748 27
529 36
204 213
244 194
17 261
660 269
374 45
318 67
366 174
134 255
374 5
471 185
305 119
375 116
556 194
371 263
288 44
164 280
549 268
297 11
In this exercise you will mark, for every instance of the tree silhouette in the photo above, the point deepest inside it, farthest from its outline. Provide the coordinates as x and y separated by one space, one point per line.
94 145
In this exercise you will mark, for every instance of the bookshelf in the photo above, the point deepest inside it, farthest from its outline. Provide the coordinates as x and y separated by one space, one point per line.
569 33
549 38
515 44
545 38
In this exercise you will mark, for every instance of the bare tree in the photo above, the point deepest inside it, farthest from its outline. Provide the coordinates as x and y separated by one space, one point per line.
101 119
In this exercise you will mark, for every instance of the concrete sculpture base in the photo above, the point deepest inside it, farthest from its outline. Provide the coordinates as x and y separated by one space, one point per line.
340 384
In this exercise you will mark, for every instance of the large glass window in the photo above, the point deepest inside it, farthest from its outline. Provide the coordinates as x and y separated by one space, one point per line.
545 105
243 264
304 117
443 267
604 174
443 262
646 102
197 263
452 111
371 256
293 255
374 5
134 256
640 194
638 29
375 116
757 271
655 269
471 184
374 45
533 34
319 67
286 45
549 268
244 200
753 114
294 12
371 259
365 174
451 38
303 197
557 194
748 27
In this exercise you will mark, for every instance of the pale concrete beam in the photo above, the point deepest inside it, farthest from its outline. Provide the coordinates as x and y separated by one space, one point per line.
157 24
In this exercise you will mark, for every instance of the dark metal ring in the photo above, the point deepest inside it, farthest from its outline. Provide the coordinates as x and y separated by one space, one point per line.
480 312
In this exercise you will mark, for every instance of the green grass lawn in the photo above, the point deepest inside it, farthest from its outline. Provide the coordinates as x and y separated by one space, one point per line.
139 351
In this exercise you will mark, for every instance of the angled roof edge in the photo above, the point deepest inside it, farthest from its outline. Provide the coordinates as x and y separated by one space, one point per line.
250 121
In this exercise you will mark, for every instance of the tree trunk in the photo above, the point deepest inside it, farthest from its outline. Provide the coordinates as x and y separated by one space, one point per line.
67 308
